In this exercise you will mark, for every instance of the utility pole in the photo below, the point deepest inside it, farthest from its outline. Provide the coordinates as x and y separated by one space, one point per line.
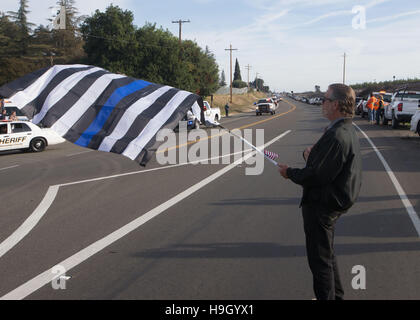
248 67
230 70
180 22
256 81
344 69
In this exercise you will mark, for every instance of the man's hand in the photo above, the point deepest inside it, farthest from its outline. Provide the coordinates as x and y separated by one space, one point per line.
283 170
306 153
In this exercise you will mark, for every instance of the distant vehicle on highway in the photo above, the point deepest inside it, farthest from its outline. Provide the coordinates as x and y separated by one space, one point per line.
265 106
415 122
192 121
315 100
403 106
15 135
211 114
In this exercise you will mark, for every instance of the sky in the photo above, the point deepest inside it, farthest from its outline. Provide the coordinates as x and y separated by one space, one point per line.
292 44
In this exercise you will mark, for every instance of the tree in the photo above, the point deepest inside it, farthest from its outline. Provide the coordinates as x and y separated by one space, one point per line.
237 74
149 53
67 42
24 27
223 79
110 40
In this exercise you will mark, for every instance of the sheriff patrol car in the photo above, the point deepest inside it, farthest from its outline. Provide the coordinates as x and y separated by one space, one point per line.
26 135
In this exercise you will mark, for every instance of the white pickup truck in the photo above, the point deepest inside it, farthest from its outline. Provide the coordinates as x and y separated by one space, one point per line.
402 107
211 114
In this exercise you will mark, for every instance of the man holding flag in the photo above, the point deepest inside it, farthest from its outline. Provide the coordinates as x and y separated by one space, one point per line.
331 182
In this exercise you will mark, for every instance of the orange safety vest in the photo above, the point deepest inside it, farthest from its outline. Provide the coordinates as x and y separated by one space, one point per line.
371 103
376 104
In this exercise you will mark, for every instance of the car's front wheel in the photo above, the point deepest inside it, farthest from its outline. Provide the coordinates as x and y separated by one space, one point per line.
418 128
38 145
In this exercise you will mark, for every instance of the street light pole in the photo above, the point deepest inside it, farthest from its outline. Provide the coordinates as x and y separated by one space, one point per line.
248 67
230 49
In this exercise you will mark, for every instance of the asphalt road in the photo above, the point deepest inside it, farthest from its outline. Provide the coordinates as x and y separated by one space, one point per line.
203 231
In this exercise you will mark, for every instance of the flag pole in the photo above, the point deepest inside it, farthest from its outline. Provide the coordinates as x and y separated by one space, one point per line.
251 145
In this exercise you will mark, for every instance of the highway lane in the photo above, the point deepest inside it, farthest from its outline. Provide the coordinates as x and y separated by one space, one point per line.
240 237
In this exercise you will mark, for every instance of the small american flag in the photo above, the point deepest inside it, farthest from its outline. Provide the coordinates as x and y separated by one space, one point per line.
271 155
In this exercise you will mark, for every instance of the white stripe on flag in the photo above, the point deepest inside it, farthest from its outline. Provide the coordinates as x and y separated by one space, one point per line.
22 98
60 91
79 108
153 126
129 117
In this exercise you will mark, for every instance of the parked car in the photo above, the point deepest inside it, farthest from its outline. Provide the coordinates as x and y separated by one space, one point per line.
191 120
265 106
16 135
359 107
403 106
211 114
415 122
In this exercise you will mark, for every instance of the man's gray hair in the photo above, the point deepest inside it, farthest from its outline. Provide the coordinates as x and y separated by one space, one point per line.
346 98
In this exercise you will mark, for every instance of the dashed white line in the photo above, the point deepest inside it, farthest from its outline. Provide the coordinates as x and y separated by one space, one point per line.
77 153
9 167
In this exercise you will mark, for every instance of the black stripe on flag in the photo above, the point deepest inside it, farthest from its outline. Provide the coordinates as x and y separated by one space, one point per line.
118 112
151 147
20 84
143 119
63 105
35 106
89 116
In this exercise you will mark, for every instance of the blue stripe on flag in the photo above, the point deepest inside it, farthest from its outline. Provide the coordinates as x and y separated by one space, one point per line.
107 108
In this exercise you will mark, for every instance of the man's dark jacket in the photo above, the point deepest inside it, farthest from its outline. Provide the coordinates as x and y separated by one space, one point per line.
333 174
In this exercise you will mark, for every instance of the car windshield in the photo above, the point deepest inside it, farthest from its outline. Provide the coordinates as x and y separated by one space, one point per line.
262 101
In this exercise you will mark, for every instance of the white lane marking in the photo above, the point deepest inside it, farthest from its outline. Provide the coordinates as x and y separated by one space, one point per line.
9 167
46 277
77 153
149 170
49 198
30 222
408 206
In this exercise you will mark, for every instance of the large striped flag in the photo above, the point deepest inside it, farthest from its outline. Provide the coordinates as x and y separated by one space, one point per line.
97 109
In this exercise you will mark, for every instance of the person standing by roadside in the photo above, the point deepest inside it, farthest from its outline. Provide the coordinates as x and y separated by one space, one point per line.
1 109
380 110
227 109
331 182
371 108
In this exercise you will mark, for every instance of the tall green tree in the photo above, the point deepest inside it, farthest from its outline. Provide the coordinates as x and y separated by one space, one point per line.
149 53
110 40
24 26
237 74
223 79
